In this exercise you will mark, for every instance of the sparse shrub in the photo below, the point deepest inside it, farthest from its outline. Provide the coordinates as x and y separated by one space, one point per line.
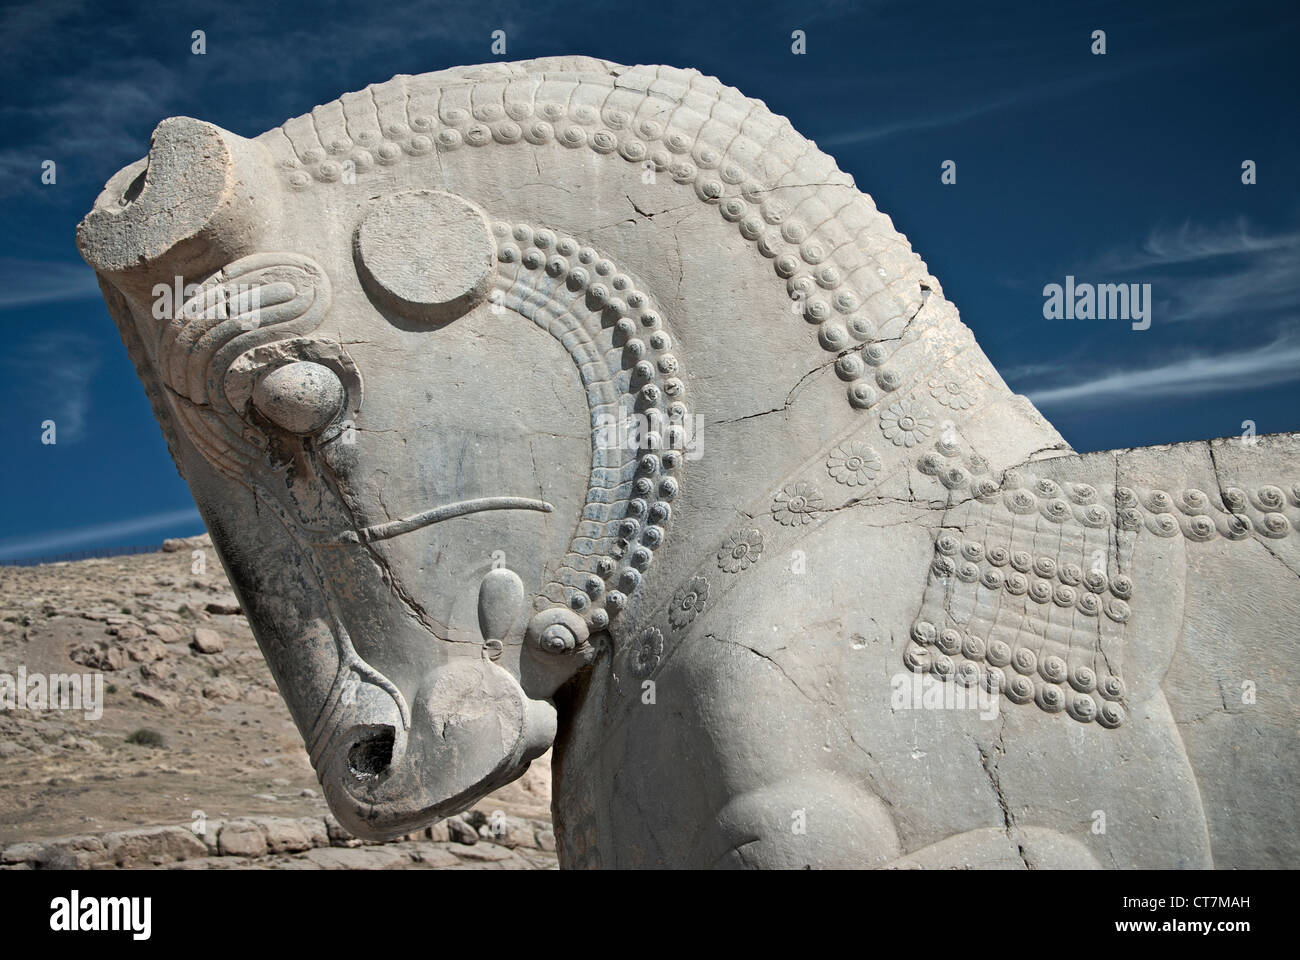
147 738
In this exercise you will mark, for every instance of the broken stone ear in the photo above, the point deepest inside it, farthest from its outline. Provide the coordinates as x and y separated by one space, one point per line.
199 200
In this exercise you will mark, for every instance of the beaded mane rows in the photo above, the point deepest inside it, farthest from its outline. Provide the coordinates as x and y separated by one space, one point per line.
821 235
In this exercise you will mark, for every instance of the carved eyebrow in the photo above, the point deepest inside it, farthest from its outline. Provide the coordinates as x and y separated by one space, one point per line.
395 528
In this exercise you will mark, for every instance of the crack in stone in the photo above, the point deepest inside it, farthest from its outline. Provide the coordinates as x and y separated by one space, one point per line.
414 609
991 771
789 397
758 653
1218 479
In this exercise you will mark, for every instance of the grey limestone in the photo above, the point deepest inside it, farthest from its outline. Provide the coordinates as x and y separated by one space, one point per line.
570 403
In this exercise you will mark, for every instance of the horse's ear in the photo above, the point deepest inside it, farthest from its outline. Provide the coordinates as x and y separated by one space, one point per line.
200 199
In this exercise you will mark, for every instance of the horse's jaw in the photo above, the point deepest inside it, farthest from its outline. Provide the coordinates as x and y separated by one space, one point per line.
419 723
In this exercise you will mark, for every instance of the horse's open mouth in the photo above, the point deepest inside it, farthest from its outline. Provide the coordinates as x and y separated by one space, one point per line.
395 528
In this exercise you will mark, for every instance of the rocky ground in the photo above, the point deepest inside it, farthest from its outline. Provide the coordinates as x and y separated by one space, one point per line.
194 762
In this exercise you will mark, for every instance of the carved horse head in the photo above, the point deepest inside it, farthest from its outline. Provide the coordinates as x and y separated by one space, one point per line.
490 384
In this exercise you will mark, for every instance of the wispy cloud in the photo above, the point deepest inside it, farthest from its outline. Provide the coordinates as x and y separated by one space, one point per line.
1189 242
1219 279
959 115
61 540
27 282
1103 73
101 113
1239 271
1194 375
1266 285
57 367
1023 95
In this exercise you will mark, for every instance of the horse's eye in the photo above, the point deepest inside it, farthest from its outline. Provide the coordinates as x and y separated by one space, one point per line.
302 398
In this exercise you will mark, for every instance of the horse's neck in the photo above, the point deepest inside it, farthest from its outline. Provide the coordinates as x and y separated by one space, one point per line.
788 451
771 490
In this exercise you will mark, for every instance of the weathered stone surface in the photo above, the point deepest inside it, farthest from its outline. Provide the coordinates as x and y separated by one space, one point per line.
242 838
508 831
210 835
338 836
436 858
836 598
357 858
157 698
166 633
317 834
127 632
285 836
221 689
207 640
153 845
147 651
78 853
461 832
263 843
483 852
176 544
19 853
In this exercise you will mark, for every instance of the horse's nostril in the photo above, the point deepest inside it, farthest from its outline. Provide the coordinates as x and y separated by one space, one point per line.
371 756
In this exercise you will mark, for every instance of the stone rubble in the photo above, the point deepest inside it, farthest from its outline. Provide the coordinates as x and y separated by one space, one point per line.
291 843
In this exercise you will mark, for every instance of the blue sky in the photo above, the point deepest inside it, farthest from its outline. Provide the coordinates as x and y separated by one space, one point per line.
1122 168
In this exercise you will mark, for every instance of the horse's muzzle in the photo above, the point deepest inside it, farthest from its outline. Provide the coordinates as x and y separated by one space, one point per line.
472 730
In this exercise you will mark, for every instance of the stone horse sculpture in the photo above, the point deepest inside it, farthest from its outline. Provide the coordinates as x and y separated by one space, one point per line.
563 402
